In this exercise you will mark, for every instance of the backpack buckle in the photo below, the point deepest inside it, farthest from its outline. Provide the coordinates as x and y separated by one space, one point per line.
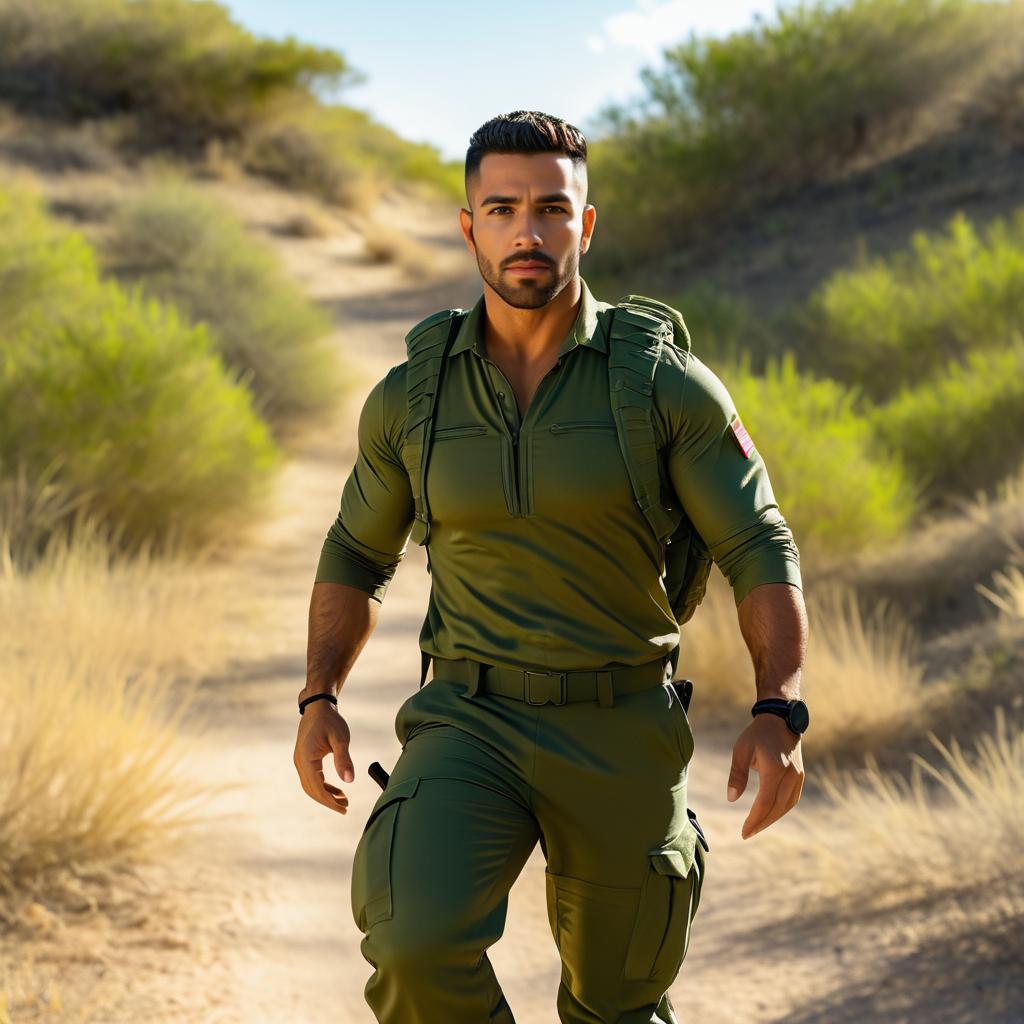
550 687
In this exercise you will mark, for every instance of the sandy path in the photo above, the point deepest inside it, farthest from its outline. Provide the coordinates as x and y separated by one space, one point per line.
295 958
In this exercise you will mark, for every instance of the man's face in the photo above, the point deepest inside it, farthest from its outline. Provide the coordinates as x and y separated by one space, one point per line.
528 210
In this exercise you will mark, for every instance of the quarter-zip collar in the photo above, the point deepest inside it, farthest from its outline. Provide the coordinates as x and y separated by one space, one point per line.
584 330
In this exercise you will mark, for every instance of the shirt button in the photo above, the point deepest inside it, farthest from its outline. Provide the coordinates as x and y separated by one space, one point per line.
501 394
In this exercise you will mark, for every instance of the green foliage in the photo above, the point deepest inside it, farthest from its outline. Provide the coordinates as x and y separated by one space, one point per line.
723 328
888 323
114 399
185 65
837 491
961 430
187 250
730 122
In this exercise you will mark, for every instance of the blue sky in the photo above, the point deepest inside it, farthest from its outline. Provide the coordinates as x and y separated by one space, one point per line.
437 70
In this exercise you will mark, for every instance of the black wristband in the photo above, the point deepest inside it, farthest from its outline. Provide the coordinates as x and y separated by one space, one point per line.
317 696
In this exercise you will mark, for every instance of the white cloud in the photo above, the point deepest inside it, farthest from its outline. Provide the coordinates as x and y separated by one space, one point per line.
651 25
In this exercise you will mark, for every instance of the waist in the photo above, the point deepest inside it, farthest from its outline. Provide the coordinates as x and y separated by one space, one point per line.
540 686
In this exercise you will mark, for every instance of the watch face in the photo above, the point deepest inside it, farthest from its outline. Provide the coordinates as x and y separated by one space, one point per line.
799 718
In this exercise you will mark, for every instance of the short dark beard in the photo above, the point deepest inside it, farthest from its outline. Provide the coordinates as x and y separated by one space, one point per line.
528 293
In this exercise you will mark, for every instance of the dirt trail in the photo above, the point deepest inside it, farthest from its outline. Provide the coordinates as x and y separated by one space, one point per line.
294 955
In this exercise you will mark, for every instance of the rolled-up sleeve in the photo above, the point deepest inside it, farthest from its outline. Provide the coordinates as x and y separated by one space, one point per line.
727 495
368 539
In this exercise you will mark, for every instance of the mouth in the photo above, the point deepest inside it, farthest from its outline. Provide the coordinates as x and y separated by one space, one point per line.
526 268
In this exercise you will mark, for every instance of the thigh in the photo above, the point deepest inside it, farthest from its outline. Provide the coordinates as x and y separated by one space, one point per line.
624 872
443 844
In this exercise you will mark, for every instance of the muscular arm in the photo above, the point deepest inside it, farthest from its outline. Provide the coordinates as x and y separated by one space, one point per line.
358 560
773 622
341 619
728 496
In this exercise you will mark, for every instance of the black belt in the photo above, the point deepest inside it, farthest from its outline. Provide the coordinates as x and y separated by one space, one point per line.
542 687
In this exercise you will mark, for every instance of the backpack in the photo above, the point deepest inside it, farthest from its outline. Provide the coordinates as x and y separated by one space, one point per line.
637 328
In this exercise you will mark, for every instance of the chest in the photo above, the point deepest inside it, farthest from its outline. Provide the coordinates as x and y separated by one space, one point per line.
514 446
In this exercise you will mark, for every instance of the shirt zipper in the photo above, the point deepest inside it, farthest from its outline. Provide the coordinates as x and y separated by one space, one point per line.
518 471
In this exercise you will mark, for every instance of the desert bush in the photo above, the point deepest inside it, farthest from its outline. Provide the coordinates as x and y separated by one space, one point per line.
955 432
112 399
797 98
188 250
896 321
192 71
838 490
343 156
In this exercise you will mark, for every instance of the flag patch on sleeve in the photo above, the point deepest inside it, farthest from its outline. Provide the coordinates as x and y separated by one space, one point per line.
739 432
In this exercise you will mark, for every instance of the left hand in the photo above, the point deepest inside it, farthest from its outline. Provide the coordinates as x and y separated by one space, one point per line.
767 746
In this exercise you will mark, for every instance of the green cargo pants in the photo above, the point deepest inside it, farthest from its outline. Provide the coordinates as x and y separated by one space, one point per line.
480 780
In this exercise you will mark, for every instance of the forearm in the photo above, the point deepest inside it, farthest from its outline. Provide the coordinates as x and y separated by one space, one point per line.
773 621
341 619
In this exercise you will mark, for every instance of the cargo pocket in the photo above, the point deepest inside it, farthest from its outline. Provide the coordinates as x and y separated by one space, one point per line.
668 901
371 862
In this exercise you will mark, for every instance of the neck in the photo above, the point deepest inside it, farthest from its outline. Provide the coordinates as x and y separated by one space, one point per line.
529 335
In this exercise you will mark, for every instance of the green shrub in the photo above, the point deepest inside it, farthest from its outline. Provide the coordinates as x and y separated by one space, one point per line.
723 327
112 398
837 491
888 323
806 95
186 249
961 430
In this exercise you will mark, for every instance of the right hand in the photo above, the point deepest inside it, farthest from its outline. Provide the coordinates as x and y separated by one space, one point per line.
323 731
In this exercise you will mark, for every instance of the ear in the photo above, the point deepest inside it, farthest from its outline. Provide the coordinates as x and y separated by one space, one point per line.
589 220
466 224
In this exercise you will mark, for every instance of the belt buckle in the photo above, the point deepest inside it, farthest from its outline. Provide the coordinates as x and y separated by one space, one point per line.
548 690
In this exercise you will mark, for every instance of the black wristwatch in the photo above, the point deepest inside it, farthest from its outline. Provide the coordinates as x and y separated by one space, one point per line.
793 712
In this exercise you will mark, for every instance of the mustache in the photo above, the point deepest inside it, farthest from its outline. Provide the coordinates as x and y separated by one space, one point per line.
527 259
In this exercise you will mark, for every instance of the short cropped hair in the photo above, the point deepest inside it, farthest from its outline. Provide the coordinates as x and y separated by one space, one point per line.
525 131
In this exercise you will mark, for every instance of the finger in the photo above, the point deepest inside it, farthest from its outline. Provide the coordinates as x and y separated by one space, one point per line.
343 764
316 786
739 771
325 792
786 784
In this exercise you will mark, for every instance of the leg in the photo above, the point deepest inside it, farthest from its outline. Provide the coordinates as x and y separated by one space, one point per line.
430 883
624 868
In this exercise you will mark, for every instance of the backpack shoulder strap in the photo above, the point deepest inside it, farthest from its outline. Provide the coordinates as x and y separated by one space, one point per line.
427 346
636 336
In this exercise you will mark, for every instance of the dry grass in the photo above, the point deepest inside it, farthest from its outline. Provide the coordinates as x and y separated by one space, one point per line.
905 838
385 244
861 677
89 747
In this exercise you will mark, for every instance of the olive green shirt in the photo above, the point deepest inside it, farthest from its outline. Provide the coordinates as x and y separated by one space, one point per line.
539 555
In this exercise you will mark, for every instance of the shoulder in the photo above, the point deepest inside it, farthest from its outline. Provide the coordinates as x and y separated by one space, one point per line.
382 420
418 332
689 397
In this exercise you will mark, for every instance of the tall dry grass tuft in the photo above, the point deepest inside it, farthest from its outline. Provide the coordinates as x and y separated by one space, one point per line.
1008 595
886 836
97 659
861 676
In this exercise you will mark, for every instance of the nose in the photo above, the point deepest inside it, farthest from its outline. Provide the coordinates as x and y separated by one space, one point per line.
527 235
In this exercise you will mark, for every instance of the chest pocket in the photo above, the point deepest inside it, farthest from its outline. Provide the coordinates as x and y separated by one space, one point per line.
578 474
465 486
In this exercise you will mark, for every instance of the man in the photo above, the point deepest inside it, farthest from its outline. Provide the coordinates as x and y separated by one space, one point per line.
550 716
